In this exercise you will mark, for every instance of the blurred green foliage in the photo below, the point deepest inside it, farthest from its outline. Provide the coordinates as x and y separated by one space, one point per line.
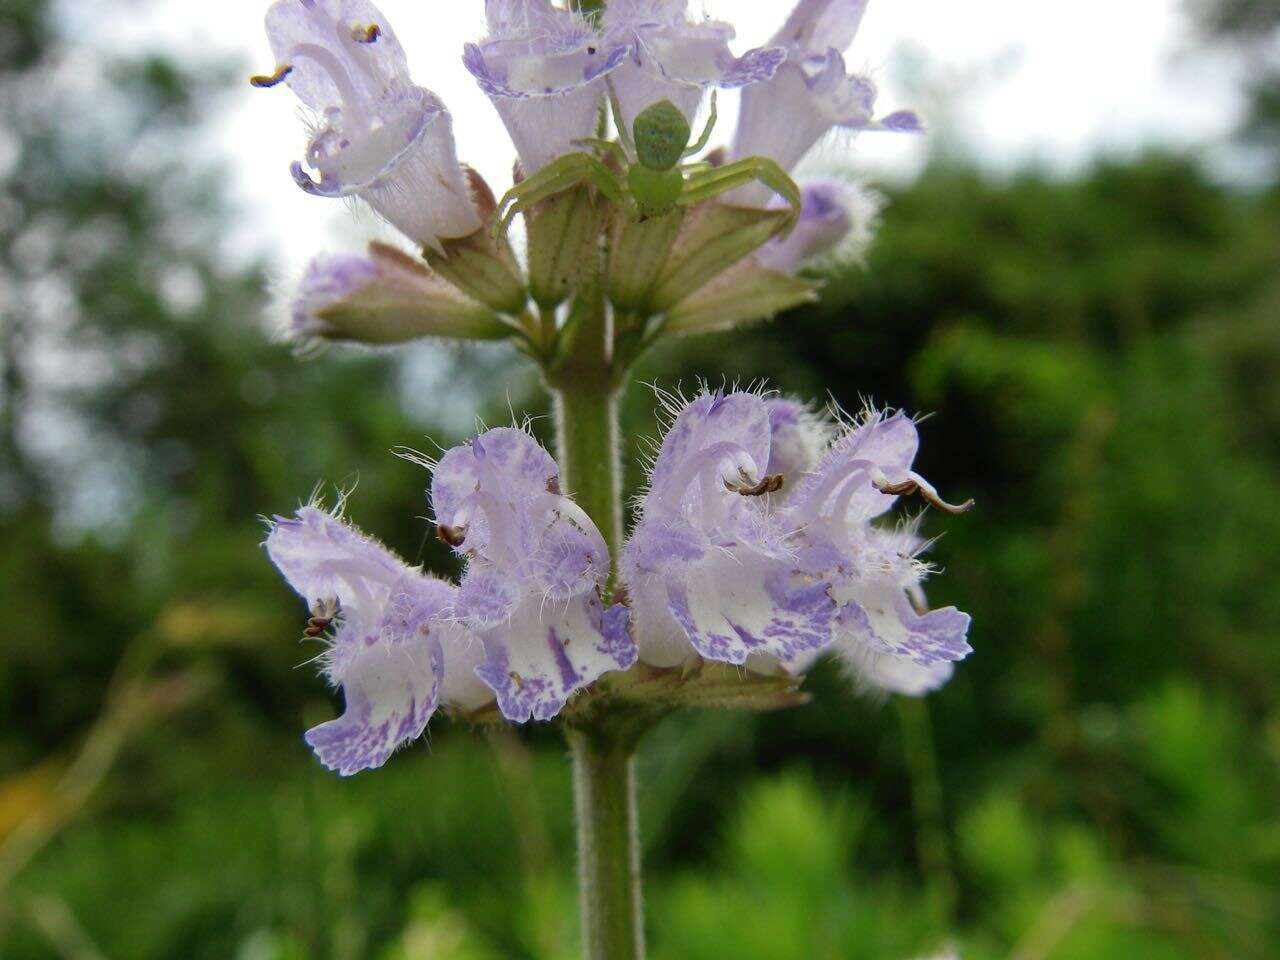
1101 779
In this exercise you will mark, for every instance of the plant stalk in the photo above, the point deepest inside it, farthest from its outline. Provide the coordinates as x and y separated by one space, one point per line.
587 439
609 883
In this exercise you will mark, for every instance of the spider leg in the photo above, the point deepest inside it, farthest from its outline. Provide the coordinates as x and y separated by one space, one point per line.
704 186
702 140
608 146
556 177
624 135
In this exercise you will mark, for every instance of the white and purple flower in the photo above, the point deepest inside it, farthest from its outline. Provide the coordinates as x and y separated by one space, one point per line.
395 649
673 57
541 66
708 567
812 90
756 545
378 136
536 567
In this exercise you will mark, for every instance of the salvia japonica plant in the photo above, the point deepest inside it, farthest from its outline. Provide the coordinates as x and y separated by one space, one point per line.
760 544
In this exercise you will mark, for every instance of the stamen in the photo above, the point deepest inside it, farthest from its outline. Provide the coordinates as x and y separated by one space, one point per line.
323 613
262 82
367 34
453 536
771 483
914 484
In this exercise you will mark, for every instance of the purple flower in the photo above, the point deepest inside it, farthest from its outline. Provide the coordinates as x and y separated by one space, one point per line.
378 137
675 58
756 545
875 574
542 68
394 649
536 566
707 565
811 92
834 214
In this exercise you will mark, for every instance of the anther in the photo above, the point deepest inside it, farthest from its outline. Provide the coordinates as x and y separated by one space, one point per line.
323 613
771 483
367 34
927 493
453 536
262 82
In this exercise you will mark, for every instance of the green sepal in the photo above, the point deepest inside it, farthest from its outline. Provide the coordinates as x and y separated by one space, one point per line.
638 250
743 294
481 269
715 237
408 302
703 685
561 231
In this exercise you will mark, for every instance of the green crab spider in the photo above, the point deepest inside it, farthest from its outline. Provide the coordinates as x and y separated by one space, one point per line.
653 181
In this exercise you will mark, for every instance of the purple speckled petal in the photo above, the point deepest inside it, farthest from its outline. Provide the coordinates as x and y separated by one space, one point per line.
739 604
391 691
877 613
874 671
546 652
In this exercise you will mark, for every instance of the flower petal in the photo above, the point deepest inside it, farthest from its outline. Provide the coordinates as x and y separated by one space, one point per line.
877 613
740 604
391 690
545 653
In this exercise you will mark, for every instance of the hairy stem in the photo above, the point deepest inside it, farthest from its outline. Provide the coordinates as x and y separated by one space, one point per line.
587 440
609 887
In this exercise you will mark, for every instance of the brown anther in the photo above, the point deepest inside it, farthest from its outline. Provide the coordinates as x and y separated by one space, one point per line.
323 613
453 536
771 483
262 82
516 679
553 486
928 494
367 34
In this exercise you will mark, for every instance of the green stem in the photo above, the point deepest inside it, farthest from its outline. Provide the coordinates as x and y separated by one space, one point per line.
609 886
587 440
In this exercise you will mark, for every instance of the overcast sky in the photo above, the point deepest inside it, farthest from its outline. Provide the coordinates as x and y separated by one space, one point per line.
1010 80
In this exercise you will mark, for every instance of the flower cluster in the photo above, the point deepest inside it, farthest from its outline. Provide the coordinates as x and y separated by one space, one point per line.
759 543
755 544
548 69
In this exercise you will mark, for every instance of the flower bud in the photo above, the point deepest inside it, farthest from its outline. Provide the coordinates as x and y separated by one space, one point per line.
382 298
